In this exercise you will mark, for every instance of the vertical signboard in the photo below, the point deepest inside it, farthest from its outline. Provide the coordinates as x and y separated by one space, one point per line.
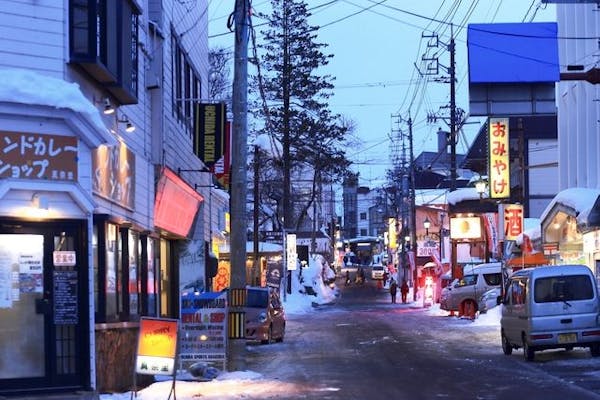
157 346
291 255
203 327
209 132
512 220
498 156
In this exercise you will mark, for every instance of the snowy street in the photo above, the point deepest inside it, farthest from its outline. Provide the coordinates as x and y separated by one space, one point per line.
363 347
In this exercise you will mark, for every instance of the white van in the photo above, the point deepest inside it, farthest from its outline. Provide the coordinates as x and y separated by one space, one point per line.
463 294
550 307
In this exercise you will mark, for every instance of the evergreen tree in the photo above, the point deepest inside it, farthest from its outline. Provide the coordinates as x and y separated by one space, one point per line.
294 106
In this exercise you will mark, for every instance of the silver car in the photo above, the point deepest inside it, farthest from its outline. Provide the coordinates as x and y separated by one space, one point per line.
463 295
489 299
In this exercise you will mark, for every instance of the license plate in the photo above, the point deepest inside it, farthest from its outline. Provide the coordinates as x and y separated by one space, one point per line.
567 337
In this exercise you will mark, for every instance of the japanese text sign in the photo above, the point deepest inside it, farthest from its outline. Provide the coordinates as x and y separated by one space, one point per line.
498 156
464 228
157 346
512 219
38 156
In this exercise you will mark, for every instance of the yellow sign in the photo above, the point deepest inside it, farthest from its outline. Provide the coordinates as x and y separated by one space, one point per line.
157 346
392 233
498 155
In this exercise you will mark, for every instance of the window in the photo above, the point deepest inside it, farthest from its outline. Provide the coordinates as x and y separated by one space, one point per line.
563 288
517 291
363 216
494 279
186 84
125 283
103 38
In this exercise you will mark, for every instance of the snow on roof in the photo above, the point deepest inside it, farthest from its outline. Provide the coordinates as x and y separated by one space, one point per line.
468 193
29 87
580 199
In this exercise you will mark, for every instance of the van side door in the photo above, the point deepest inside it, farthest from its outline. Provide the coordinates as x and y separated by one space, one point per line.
514 311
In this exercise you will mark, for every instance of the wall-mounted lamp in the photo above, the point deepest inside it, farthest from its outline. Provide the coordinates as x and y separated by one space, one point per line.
39 201
129 127
108 108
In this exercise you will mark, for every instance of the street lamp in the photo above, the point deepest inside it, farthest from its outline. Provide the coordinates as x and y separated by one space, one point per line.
426 225
481 187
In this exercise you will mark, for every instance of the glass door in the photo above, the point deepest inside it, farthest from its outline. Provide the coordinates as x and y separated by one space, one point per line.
22 327
43 306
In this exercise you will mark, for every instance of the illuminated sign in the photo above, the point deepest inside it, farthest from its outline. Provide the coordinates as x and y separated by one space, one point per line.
176 204
465 228
38 156
393 244
291 257
209 132
512 218
498 156
157 346
114 174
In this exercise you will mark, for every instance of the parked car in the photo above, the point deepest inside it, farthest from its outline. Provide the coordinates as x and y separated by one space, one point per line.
489 299
463 295
551 307
377 272
265 316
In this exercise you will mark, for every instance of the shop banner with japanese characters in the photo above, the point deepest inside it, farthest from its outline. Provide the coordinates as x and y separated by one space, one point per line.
203 327
498 156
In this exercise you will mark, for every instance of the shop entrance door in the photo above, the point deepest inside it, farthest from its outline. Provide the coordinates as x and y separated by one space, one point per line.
43 306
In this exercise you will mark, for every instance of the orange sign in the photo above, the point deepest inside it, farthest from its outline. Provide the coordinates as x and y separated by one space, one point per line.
157 346
513 220
498 155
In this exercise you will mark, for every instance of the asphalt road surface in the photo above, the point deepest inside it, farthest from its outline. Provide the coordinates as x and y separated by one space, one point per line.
363 347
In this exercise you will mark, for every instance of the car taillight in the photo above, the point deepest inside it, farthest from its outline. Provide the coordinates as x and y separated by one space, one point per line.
590 333
542 336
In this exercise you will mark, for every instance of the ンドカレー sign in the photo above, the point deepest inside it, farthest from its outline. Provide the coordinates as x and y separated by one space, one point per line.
157 346
38 156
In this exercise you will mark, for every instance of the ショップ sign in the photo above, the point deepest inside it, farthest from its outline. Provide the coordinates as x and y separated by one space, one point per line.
157 346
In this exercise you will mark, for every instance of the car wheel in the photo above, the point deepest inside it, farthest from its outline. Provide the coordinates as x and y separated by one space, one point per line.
506 346
595 349
528 351
280 338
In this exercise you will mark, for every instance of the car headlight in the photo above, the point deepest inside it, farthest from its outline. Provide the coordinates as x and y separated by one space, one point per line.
262 317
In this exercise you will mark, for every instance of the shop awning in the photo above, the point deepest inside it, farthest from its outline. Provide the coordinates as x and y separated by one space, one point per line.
176 204
528 260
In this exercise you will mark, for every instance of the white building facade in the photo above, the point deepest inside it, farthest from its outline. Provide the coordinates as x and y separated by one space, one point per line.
100 225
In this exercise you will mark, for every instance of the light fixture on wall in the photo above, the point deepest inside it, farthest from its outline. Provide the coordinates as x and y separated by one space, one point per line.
129 127
108 108
39 201
426 225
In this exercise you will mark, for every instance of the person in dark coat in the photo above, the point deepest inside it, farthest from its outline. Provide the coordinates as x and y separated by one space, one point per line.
404 290
393 289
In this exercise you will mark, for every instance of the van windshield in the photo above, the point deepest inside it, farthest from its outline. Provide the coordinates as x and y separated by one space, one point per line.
257 298
563 288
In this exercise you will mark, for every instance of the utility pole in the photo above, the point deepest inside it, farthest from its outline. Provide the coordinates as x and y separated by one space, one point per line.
413 209
255 262
452 72
236 347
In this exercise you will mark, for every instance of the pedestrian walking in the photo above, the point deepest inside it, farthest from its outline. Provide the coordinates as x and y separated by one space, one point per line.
347 277
404 290
393 289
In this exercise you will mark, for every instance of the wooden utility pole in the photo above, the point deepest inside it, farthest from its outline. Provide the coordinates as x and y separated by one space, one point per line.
452 72
236 347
